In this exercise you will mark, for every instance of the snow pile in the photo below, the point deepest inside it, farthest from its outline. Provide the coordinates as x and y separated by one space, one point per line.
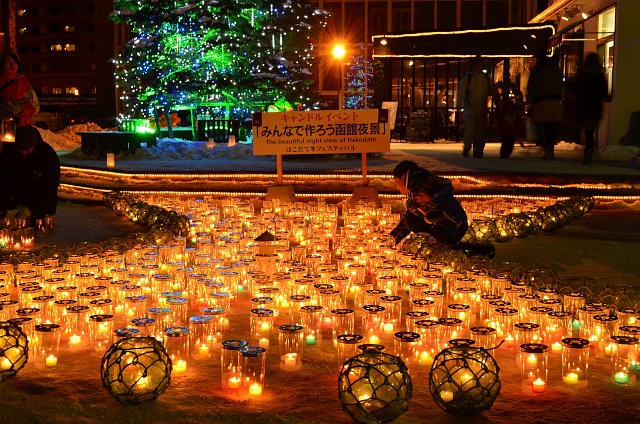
67 139
167 149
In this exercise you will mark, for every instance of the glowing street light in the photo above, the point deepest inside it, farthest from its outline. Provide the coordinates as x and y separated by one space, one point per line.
339 52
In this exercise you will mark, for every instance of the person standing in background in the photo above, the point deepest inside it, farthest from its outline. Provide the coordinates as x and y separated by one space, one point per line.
544 94
589 88
473 95
509 116
18 100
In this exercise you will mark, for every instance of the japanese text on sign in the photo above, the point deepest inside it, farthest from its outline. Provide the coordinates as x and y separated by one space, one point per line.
322 131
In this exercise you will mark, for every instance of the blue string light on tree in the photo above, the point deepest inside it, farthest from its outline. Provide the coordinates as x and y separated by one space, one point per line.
374 387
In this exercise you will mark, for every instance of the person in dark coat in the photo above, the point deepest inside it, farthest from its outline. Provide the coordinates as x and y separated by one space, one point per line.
431 206
29 176
589 89
509 116
544 93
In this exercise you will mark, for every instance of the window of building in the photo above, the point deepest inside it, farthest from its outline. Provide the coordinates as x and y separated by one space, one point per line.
72 90
69 28
55 10
23 49
35 49
44 89
56 47
22 31
606 32
56 90
55 28
22 12
93 66
69 47
400 19
36 67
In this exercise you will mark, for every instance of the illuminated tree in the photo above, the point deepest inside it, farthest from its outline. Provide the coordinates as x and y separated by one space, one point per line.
361 79
231 57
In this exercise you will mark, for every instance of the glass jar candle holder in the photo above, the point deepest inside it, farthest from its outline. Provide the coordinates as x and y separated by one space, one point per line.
624 360
406 346
101 331
451 328
600 332
506 318
176 342
389 283
485 337
559 326
201 336
438 299
311 319
417 289
430 343
290 347
260 326
423 305
486 308
573 301
342 322
411 317
373 296
179 311
372 323
575 362
433 280
527 332
460 311
252 369
347 347
628 316
533 367
296 302
78 328
230 364
47 345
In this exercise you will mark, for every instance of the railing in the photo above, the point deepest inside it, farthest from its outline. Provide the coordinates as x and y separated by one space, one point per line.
218 129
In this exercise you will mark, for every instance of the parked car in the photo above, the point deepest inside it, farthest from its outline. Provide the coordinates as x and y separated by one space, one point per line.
51 117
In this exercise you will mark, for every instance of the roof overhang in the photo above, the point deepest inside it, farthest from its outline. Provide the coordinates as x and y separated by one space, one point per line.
513 41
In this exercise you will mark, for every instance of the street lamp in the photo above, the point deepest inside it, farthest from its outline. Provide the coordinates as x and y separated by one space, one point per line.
339 53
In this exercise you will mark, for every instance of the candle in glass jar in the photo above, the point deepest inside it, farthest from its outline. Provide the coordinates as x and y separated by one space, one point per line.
263 342
203 350
51 361
373 339
290 360
255 389
621 377
74 340
234 382
532 361
610 349
180 366
538 385
556 347
570 378
388 327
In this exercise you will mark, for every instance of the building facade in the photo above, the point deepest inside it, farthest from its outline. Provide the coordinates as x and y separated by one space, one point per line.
66 47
